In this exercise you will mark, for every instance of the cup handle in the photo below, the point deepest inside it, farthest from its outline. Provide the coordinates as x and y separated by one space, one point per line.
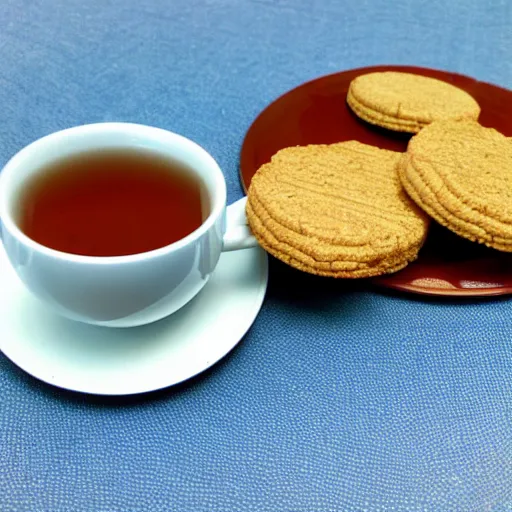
238 233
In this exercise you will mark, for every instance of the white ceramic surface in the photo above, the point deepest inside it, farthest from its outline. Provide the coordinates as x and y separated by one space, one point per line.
122 291
106 361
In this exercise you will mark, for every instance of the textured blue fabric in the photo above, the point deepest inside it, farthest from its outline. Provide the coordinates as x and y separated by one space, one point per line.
340 397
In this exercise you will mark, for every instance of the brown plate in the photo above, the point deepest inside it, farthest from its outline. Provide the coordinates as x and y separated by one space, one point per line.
316 113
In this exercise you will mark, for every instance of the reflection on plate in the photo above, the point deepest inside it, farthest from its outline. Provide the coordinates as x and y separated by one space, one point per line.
109 361
316 113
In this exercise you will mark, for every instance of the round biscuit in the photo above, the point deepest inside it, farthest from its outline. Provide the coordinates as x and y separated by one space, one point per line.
408 102
336 210
460 173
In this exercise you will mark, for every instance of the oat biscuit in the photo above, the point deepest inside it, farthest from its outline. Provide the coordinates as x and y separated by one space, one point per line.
336 210
460 173
406 102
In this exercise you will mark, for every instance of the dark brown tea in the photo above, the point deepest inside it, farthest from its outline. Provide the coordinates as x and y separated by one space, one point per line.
111 203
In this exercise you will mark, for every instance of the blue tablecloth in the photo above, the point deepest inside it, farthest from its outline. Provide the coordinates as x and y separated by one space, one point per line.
340 397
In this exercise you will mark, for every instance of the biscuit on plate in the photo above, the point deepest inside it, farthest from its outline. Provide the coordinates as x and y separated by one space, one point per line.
336 210
460 173
407 102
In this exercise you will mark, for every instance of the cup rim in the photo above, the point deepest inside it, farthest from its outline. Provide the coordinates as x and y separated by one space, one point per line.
19 158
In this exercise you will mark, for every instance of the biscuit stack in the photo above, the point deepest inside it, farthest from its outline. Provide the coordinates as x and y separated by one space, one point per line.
351 210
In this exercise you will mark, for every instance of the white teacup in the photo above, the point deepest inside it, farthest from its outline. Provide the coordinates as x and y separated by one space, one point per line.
120 291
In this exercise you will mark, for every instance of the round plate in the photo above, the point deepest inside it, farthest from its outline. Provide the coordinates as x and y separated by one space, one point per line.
109 361
316 113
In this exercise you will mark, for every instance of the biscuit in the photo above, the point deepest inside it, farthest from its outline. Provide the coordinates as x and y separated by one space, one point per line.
335 210
460 173
406 102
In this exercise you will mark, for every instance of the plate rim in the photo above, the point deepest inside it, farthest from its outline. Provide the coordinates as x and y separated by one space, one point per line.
462 293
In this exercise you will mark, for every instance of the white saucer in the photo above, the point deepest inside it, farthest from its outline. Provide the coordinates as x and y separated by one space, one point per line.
108 361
